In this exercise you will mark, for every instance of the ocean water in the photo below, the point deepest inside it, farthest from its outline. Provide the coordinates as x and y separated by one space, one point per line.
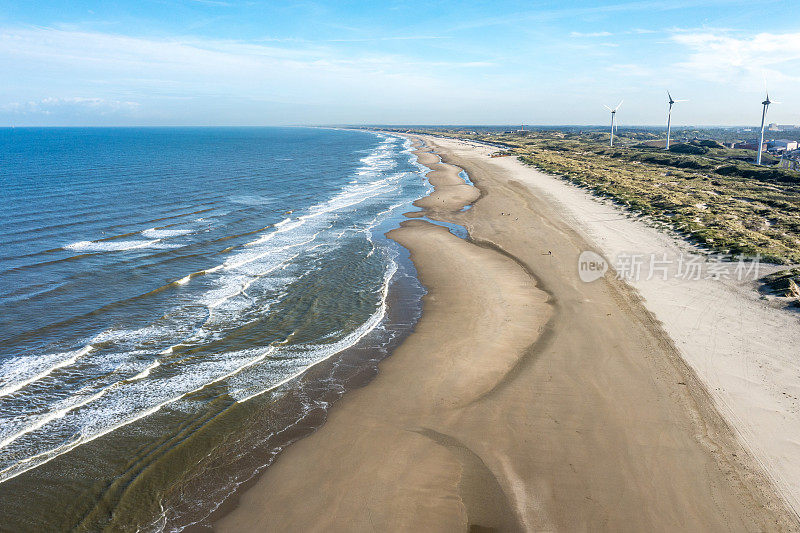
178 304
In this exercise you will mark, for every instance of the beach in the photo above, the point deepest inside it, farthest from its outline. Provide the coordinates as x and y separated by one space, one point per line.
525 399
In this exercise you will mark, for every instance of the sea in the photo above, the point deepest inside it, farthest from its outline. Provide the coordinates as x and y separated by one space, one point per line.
177 305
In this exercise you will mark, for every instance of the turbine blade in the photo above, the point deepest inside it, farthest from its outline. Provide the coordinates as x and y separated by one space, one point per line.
670 96
604 105
618 105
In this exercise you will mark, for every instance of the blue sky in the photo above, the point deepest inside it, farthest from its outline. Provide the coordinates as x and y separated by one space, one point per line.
248 62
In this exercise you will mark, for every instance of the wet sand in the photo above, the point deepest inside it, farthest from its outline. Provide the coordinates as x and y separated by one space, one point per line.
524 400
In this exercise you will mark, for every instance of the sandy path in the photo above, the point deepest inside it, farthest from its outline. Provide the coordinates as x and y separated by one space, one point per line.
521 401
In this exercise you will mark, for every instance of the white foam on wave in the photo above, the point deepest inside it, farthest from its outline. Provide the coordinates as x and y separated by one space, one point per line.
69 359
283 222
146 372
237 284
54 415
154 237
110 246
12 429
246 258
43 457
164 233
117 335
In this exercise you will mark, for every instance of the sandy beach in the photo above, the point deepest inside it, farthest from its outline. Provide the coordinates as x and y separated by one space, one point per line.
528 400
743 348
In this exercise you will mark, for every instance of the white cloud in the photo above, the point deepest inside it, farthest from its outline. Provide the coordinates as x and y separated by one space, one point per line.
236 65
201 80
722 57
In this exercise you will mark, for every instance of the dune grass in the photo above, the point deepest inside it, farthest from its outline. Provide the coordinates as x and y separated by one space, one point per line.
714 197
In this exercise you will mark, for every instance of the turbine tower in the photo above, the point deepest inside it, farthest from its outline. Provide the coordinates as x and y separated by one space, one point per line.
613 115
765 103
669 116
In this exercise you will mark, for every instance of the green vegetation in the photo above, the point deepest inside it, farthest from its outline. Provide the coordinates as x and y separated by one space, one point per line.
687 148
785 283
708 193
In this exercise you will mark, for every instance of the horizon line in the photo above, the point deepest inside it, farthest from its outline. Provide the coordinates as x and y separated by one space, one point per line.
379 125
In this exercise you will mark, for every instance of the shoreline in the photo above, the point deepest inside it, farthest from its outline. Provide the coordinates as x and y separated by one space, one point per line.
323 383
423 444
514 404
349 369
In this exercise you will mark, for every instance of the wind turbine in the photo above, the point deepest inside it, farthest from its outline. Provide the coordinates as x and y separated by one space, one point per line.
669 116
613 115
765 103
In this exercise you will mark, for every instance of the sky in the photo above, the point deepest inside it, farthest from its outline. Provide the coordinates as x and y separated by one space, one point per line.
249 62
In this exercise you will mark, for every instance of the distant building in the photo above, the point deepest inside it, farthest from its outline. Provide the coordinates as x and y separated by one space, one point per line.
749 145
782 127
782 145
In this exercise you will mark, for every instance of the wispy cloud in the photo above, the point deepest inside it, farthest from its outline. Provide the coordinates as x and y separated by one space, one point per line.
722 56
121 69
84 48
